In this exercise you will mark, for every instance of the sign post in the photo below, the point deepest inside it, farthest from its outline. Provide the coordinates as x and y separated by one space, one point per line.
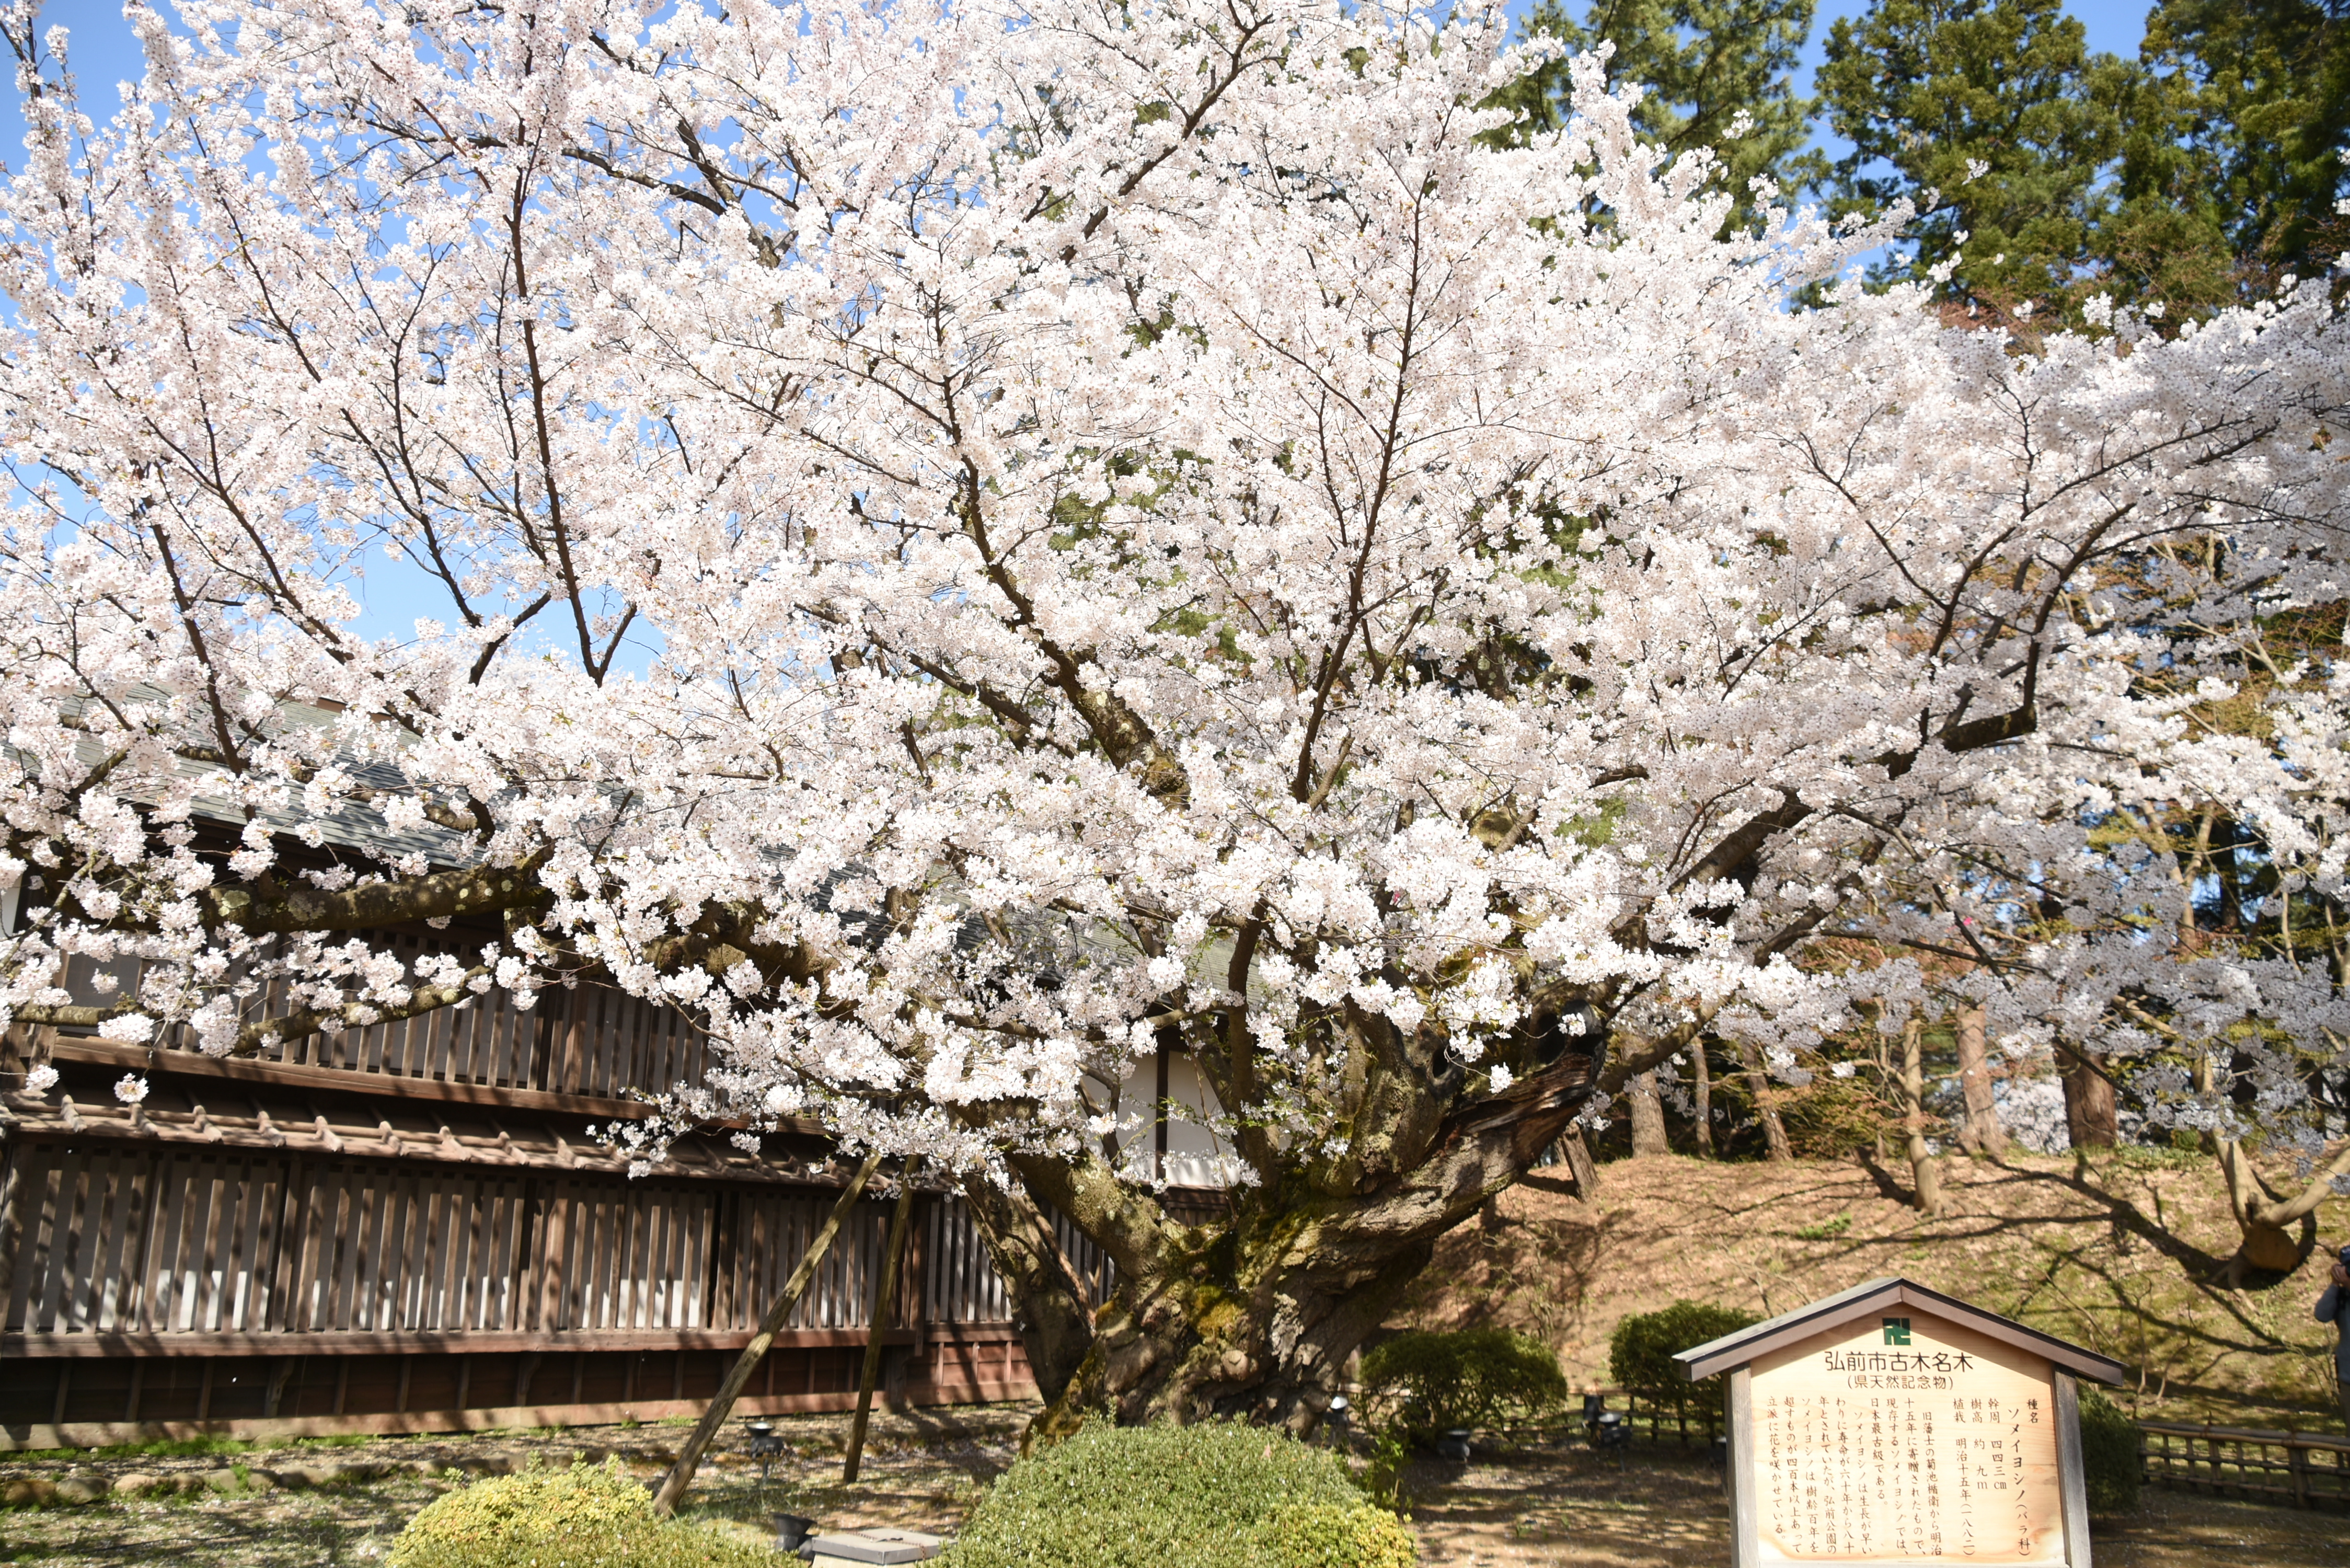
1890 1424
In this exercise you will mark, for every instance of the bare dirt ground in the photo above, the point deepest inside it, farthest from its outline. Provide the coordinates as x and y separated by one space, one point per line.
2123 1254
1569 1508
1554 1506
341 1503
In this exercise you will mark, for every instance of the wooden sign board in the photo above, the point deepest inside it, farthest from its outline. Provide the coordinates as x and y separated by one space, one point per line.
1893 1424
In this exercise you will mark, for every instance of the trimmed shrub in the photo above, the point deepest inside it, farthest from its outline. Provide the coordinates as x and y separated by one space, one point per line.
1640 1355
2109 1456
1325 1535
1219 1495
1424 1382
584 1516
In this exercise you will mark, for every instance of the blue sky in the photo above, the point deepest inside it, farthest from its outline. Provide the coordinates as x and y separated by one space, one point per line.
103 52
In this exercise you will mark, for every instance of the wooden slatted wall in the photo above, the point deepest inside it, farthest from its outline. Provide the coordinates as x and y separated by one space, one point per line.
130 1239
593 1040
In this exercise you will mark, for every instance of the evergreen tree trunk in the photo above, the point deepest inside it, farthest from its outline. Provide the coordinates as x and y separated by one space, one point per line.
2091 1116
1647 1118
1982 1133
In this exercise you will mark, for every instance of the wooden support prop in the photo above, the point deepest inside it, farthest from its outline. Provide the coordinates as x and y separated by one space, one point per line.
689 1458
885 1302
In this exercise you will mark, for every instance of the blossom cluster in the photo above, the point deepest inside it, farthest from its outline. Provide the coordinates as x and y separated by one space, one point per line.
969 538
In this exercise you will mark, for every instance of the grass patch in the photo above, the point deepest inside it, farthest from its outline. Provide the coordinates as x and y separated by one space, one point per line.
160 1449
1826 1229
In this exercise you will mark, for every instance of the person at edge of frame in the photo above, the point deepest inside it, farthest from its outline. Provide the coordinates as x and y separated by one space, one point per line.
2333 1307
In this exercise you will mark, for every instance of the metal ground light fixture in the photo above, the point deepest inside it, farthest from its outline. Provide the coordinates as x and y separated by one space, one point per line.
764 1446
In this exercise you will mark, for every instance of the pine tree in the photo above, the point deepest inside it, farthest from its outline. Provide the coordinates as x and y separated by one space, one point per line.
1997 110
2254 124
1716 73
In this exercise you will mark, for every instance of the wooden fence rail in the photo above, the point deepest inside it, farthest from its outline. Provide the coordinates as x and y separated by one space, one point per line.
2299 1468
2302 1468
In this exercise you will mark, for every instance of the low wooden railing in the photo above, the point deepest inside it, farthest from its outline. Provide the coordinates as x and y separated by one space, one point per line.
2299 1468
1690 1424
2302 1468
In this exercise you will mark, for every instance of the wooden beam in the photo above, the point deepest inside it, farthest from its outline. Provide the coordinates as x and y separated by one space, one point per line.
689 1458
885 1303
99 1434
451 1341
351 1081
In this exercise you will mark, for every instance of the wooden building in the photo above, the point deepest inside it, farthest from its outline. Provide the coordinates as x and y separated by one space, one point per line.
411 1226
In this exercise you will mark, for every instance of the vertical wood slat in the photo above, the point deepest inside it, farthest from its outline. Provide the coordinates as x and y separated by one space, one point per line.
38 1205
349 1241
243 1247
219 1222
15 1179
321 1223
65 1235
105 1285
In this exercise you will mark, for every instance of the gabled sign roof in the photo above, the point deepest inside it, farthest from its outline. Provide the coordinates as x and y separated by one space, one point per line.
1862 1300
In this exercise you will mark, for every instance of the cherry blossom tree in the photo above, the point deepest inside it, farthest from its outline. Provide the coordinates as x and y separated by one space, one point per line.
975 544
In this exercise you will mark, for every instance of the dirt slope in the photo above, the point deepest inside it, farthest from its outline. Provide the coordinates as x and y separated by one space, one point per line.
2121 1254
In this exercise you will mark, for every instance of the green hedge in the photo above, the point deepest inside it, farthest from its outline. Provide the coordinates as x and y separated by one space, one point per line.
1640 1355
1421 1383
1218 1495
584 1516
2109 1456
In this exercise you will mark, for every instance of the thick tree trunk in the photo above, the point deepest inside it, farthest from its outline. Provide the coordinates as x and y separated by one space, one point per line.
1704 1096
1981 1133
1255 1315
2091 1116
1924 1169
1579 1164
1050 1305
1647 1116
1774 1131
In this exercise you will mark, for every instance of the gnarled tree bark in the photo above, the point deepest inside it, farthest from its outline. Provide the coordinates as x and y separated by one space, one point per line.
1255 1315
2279 1229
